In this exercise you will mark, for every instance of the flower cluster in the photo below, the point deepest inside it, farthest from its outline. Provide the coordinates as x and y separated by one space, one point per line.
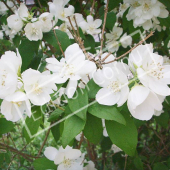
68 158
34 27
145 13
19 91
113 37
150 78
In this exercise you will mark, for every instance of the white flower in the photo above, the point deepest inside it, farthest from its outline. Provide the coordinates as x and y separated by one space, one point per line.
114 34
59 93
15 22
122 9
38 86
1 35
150 69
33 31
114 85
91 26
46 19
142 12
57 9
10 65
126 40
161 98
115 148
112 46
63 27
90 166
3 8
73 67
16 106
142 103
66 159
23 12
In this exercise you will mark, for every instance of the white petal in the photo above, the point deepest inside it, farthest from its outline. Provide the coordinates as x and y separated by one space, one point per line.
51 153
71 88
106 97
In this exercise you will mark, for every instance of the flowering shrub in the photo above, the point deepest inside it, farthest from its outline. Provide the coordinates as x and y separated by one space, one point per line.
84 85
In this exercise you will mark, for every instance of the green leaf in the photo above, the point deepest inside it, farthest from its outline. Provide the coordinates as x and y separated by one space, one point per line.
163 119
110 20
113 4
36 60
106 112
106 144
93 129
89 43
5 126
55 115
160 166
44 164
92 89
62 37
138 163
123 136
56 132
32 124
79 102
27 49
72 127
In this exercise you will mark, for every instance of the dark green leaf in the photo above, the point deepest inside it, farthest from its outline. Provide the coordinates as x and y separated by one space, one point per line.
62 37
123 136
110 21
32 124
138 163
44 164
163 119
72 127
5 126
27 49
160 166
55 114
79 102
106 112
93 129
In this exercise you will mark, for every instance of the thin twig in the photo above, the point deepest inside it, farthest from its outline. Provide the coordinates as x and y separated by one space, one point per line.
26 156
104 25
45 140
81 141
58 42
92 8
151 34
106 57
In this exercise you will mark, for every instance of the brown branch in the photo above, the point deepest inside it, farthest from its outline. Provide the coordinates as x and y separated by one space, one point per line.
81 141
92 8
7 6
45 140
58 42
104 25
151 34
24 155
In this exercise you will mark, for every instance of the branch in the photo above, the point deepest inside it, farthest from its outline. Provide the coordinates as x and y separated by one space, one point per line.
45 140
58 42
7 6
81 141
104 25
151 34
26 156
92 8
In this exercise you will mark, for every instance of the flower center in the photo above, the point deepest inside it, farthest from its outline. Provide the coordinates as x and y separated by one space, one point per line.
37 89
135 4
17 103
69 69
3 78
115 86
67 163
35 31
156 70
146 6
